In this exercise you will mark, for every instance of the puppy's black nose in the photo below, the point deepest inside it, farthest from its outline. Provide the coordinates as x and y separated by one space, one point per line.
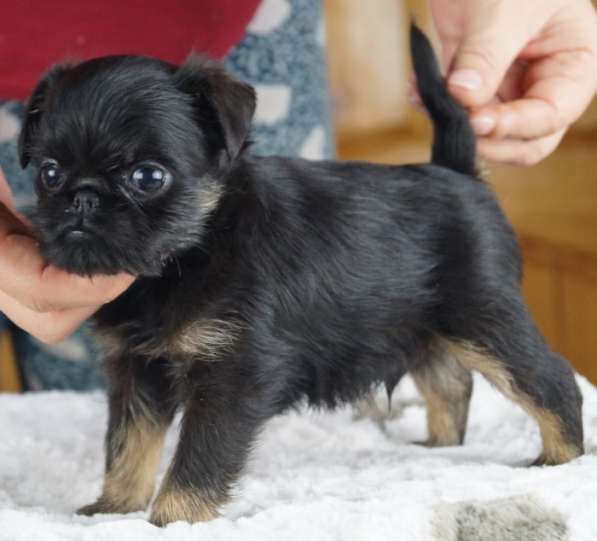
85 202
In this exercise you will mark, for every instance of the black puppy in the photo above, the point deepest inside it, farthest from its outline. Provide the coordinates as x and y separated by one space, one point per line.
266 281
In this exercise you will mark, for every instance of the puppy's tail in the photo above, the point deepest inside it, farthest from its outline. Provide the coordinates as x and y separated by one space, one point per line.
454 142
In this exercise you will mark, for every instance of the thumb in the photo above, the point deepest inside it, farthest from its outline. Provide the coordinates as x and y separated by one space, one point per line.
5 193
491 43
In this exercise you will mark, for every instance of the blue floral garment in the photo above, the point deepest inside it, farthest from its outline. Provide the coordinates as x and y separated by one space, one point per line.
282 55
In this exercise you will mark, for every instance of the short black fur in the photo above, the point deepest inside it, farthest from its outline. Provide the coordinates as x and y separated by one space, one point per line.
265 281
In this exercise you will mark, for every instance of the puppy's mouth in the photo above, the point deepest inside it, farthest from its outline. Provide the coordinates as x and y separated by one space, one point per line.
77 230
77 234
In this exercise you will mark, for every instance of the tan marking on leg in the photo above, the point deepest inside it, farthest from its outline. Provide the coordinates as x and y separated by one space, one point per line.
130 481
446 387
556 448
441 425
174 504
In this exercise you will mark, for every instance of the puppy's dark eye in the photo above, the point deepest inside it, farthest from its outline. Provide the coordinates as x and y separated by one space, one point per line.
49 174
148 178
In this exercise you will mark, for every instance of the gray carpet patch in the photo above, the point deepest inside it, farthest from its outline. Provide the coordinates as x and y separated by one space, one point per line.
520 518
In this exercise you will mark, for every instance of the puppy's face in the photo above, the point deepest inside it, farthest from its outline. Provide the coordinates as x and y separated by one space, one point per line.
129 153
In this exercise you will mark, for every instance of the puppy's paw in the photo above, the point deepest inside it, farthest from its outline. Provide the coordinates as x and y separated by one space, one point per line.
425 443
540 461
185 505
432 442
100 507
545 459
104 506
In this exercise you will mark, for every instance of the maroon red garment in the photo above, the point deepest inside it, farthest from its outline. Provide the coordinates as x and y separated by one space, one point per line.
35 34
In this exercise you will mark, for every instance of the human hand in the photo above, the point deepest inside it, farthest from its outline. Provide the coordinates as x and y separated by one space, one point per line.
525 69
45 301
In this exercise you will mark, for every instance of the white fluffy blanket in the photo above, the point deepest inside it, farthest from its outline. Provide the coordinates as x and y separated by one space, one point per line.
314 476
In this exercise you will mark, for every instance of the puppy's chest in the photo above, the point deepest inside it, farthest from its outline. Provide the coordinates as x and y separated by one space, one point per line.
203 339
176 328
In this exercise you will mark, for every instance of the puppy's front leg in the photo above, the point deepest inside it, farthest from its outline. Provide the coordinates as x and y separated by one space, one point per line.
217 429
140 411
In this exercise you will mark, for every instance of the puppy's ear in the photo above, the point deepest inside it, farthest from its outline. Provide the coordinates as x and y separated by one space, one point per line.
224 106
33 113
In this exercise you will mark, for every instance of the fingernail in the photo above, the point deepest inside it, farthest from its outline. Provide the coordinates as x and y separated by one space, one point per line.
467 79
483 125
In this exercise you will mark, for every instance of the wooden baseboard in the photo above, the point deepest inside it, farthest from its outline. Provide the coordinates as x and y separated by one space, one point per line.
10 378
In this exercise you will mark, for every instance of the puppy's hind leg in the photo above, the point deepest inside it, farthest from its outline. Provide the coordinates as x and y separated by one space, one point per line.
501 342
446 387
